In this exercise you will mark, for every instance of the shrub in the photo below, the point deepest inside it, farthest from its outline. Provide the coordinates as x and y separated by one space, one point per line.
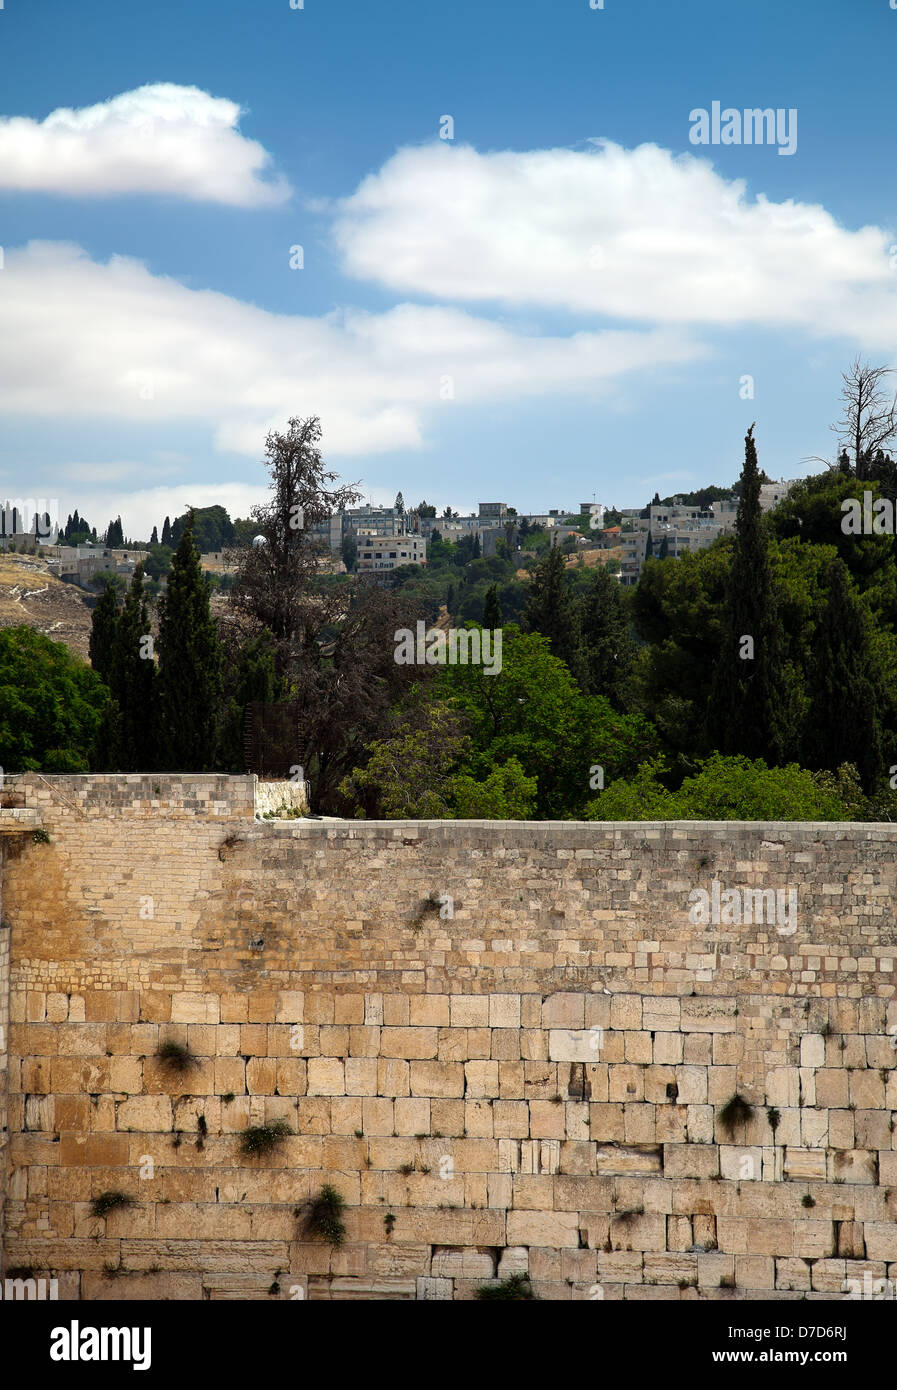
263 1139
325 1217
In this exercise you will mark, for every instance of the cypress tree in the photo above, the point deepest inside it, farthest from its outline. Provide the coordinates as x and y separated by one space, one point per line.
102 631
154 538
743 712
608 648
189 681
166 532
492 609
847 696
477 549
132 675
550 610
253 679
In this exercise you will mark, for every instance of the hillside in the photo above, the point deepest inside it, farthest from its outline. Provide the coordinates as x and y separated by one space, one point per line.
31 596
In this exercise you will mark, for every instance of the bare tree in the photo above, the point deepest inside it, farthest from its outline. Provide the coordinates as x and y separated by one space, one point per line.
276 585
869 423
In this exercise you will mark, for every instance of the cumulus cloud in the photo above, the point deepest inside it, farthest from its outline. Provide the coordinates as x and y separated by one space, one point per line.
112 341
638 234
161 138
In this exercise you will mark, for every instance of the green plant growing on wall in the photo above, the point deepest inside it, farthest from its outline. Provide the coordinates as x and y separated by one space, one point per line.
516 1287
258 1140
41 837
109 1201
389 1223
325 1216
736 1112
774 1117
431 903
176 1056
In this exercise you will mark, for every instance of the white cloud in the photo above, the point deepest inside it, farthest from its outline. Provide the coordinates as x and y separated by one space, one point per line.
639 235
115 342
145 508
161 138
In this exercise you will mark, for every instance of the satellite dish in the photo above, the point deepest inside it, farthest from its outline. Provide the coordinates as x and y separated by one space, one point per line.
257 541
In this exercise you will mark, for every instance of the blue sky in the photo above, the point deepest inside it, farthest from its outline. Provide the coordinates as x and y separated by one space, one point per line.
521 313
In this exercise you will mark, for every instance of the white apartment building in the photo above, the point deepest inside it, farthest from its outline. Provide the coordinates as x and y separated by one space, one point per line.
377 554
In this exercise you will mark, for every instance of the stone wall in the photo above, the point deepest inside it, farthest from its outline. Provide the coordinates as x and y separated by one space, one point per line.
507 1045
273 798
4 1053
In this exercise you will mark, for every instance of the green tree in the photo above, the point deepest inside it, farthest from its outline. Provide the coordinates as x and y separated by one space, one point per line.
51 705
349 552
154 538
492 609
550 609
608 649
506 794
843 723
189 680
743 716
533 710
249 676
102 631
725 788
166 532
407 775
132 673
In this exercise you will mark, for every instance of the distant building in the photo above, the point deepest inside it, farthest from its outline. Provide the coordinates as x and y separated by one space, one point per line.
377 554
80 564
771 494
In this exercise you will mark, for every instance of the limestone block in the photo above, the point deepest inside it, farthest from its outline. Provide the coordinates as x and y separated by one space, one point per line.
553 1228
393 1077
195 1008
437 1079
572 1045
690 1160
470 1010
429 1010
361 1076
504 1010
408 1042
150 1113
740 1163
812 1050
412 1115
460 1262
881 1240
668 1048
326 1076
691 1085
851 1166
563 1011
481 1079
434 1290
805 1163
